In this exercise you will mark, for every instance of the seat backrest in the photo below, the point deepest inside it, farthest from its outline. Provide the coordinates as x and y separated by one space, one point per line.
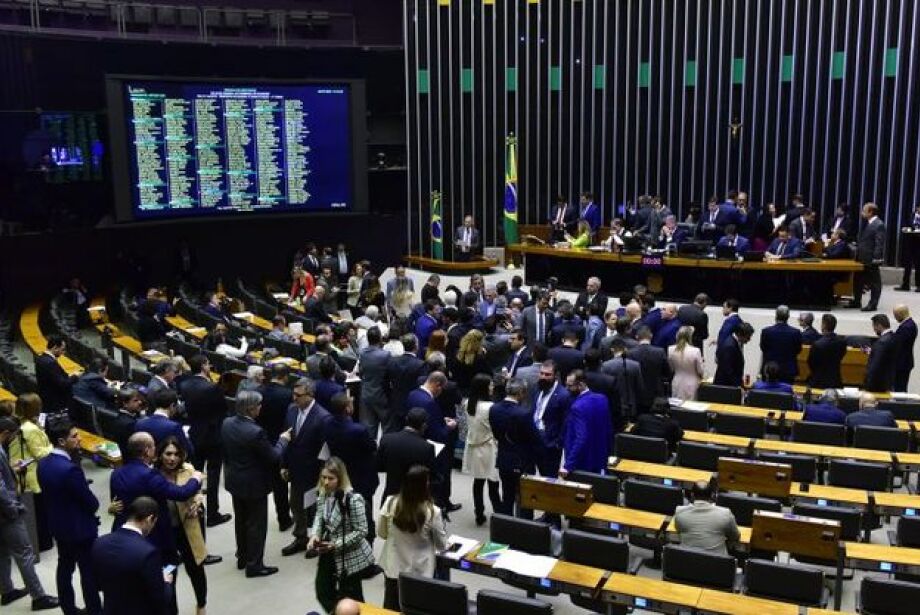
489 602
700 456
909 531
421 595
881 438
594 550
692 420
231 364
661 499
641 448
787 581
81 413
850 518
848 404
606 489
720 394
804 467
740 425
819 433
140 376
770 399
859 475
743 506
532 537
887 597
697 567
902 410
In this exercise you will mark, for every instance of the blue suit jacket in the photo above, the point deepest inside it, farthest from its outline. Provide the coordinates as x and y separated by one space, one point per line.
161 428
135 479
679 236
782 343
554 416
872 418
71 506
424 327
728 327
592 215
129 572
326 390
437 429
667 333
588 434
824 413
774 387
652 320
792 250
839 250
300 456
517 436
353 444
741 243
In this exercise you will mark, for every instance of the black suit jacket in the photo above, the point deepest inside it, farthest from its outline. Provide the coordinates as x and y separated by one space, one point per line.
399 451
567 359
276 399
353 444
301 457
402 375
606 385
882 364
730 358
250 460
315 310
54 385
870 244
129 571
906 336
524 359
582 303
693 316
206 409
654 363
824 360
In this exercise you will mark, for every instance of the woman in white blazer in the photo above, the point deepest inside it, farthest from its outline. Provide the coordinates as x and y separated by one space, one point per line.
481 448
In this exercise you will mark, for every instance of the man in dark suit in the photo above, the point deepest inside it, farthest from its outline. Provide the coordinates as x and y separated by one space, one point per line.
373 365
732 319
537 320
588 431
466 240
400 450
71 510
160 423
840 221
315 309
592 295
694 315
54 385
129 569
276 399
300 463
880 371
837 247
326 386
520 353
567 356
653 363
351 442
590 212
402 374
803 228
782 343
870 251
563 219
628 375
439 429
733 240
251 463
549 408
619 331
806 324
869 415
826 355
825 410
605 384
92 388
518 441
906 336
206 409
730 357
784 246
716 217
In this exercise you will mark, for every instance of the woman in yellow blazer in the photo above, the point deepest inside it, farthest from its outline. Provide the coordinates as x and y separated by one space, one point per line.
30 445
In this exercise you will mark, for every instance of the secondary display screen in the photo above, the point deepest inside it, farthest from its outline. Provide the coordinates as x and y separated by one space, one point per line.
217 147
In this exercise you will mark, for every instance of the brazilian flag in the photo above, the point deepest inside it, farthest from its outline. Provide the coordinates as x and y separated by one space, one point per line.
511 201
437 229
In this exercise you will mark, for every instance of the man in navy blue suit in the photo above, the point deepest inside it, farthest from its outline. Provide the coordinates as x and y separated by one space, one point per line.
160 424
72 520
781 343
716 217
906 336
732 319
567 356
734 240
550 406
438 430
730 357
825 410
590 212
426 325
670 234
520 353
128 568
869 415
587 428
518 441
783 247
326 386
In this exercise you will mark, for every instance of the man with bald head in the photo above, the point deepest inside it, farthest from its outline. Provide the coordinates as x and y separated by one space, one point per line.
905 336
592 295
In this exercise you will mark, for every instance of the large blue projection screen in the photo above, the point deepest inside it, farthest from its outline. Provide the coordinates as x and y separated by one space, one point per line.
212 148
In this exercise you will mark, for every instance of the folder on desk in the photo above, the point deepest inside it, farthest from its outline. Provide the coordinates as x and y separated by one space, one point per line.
490 551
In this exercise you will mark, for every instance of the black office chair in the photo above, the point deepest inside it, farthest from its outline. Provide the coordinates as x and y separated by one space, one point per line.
421 595
881 438
231 364
740 425
786 582
859 475
690 420
490 602
902 410
879 596
641 448
82 414
804 468
606 489
700 456
849 518
596 551
697 567
812 432
719 394
743 506
653 497
907 535
532 537
770 399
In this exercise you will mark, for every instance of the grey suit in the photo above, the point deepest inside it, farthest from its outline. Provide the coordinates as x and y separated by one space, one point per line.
628 376
529 319
374 408
705 526
14 537
607 342
870 251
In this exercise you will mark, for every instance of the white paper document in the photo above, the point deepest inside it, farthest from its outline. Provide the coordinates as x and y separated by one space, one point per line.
438 447
324 453
243 315
905 396
695 405
466 545
525 564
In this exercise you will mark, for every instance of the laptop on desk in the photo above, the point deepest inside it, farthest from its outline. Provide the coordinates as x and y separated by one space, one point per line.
726 253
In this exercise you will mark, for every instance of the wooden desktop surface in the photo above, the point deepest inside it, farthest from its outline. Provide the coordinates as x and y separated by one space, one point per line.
180 323
38 343
882 553
89 445
767 413
659 470
728 603
629 517
706 437
653 589
899 501
576 574
370 609
859 497
819 450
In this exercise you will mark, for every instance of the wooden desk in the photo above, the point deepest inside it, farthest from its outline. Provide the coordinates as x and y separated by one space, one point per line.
826 494
576 575
181 324
771 415
728 603
852 367
626 520
650 594
753 476
897 504
795 534
737 443
667 474
266 325
816 450
36 341
90 445
799 389
908 461
370 609
884 558
555 496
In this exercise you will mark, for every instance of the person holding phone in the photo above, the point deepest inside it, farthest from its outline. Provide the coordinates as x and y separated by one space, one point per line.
414 531
338 535
30 445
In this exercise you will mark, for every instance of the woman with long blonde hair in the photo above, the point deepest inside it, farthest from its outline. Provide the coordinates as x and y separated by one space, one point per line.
469 361
686 362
